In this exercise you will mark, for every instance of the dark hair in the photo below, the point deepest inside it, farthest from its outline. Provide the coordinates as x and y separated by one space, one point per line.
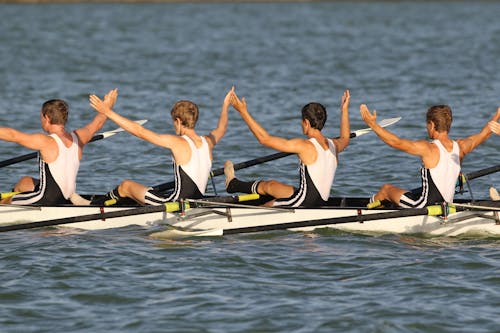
187 112
316 114
441 116
56 110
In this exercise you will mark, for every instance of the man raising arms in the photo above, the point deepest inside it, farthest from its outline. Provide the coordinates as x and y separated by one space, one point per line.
441 158
59 156
317 154
191 153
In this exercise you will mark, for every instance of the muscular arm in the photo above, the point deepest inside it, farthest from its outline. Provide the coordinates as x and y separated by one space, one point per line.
420 148
345 129
217 133
281 144
162 140
470 143
36 141
86 133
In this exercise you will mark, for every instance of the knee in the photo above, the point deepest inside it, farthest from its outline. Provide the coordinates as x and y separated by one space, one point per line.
386 187
266 186
25 184
384 191
124 187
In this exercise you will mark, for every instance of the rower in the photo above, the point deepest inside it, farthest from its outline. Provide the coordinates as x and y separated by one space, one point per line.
191 153
441 158
59 154
317 154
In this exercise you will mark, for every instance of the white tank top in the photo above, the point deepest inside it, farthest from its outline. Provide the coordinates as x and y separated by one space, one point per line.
199 166
445 174
322 171
65 168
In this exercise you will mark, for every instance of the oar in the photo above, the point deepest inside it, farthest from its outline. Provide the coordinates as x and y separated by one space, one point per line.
167 207
96 137
407 212
275 156
482 172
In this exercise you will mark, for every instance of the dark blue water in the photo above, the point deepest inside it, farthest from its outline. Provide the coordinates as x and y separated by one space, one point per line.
397 57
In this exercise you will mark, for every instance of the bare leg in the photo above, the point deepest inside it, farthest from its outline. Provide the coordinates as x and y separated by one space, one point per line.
494 194
275 189
390 192
130 189
272 188
229 172
25 184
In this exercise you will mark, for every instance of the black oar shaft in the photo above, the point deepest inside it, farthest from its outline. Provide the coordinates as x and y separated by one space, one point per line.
483 172
18 159
247 164
328 221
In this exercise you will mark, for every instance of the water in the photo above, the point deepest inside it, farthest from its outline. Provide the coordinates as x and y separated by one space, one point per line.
397 57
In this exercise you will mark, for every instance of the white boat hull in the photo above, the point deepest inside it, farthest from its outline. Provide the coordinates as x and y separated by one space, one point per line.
251 219
224 220
14 215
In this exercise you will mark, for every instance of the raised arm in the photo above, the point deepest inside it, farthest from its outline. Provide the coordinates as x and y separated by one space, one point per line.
162 140
264 138
419 148
86 133
470 143
35 141
345 128
217 133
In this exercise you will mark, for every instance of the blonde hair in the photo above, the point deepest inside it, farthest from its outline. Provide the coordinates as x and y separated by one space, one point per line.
441 116
187 112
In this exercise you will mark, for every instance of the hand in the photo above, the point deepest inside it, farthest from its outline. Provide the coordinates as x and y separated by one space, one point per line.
239 105
110 98
494 127
227 99
369 119
98 104
346 98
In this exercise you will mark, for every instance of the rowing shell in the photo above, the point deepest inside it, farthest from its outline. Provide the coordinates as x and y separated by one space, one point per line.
224 218
236 220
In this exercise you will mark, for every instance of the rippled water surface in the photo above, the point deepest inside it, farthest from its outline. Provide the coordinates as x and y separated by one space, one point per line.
397 57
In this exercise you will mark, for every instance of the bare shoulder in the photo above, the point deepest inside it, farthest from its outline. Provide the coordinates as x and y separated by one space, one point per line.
306 150
301 143
171 140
